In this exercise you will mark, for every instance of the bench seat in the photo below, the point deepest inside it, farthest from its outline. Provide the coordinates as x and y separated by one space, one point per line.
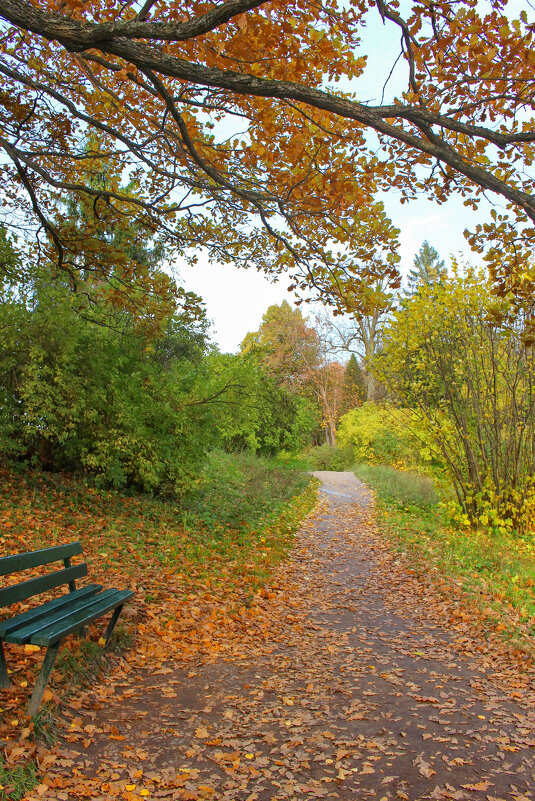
9 626
71 617
49 623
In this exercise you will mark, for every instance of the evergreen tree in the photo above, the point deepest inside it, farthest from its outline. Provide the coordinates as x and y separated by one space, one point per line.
354 383
428 269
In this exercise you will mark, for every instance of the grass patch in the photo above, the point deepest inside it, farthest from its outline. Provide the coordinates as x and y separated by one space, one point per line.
496 572
17 781
398 486
44 726
82 664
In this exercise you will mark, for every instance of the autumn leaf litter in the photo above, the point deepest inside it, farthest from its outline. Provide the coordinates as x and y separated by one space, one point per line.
346 677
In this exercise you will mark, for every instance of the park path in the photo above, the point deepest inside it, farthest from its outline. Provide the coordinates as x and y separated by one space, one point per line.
366 685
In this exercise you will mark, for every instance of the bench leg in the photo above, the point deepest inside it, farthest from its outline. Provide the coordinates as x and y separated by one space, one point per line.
4 678
42 678
111 624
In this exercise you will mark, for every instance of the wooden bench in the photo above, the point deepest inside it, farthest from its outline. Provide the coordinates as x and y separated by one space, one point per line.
48 624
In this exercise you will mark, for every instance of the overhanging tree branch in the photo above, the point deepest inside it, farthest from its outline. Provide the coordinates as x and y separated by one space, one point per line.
78 36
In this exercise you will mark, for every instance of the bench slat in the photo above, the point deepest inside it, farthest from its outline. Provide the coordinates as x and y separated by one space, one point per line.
54 633
26 589
32 615
23 561
56 616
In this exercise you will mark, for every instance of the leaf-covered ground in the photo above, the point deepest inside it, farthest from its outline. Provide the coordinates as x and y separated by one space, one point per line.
347 677
205 565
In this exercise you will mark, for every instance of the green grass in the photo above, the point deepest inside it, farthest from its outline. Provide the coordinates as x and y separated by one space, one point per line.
45 726
398 486
17 781
496 572
84 663
240 490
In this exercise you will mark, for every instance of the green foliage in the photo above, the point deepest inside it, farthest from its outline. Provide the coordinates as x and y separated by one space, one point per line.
298 358
405 487
11 268
385 434
240 490
17 781
428 269
256 413
78 395
330 457
354 387
135 401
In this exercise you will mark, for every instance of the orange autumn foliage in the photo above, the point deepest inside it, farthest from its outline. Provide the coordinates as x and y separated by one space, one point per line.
242 128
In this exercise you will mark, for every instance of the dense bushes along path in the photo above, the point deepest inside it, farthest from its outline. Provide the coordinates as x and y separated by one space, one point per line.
346 679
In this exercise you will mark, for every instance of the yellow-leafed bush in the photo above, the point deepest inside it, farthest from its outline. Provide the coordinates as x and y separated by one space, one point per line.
384 434
463 359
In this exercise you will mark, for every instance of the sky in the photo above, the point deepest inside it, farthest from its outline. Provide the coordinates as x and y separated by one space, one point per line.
237 299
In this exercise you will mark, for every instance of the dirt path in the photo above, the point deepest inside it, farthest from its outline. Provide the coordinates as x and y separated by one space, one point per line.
355 690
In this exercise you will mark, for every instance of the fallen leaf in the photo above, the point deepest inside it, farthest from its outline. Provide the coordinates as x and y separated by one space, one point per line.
482 785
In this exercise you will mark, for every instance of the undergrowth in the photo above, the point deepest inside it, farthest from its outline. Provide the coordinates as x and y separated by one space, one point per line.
238 525
495 571
239 490
237 501
400 486
330 457
17 780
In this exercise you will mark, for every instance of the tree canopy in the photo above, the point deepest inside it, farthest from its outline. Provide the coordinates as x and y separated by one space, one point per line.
287 345
241 127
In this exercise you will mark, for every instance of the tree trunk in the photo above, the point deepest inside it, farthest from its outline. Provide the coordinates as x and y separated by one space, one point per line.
371 387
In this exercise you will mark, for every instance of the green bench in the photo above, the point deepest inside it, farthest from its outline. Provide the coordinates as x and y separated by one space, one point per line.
48 624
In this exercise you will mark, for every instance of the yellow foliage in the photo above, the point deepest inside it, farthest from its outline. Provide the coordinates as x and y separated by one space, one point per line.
386 434
459 355
505 511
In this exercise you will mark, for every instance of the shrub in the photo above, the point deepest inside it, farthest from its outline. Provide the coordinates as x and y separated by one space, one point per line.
462 358
329 457
384 434
240 489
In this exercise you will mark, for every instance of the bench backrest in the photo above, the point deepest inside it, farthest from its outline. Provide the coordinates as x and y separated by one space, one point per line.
34 586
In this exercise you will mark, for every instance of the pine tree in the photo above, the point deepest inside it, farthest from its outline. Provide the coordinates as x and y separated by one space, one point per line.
428 268
354 384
